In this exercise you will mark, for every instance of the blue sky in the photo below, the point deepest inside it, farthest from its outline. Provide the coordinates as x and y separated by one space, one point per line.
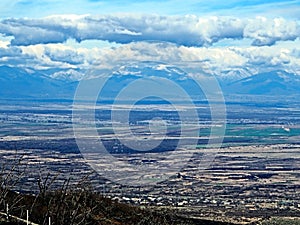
41 8
234 35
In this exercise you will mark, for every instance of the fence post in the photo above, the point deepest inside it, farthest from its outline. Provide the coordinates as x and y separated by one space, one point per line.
7 215
27 217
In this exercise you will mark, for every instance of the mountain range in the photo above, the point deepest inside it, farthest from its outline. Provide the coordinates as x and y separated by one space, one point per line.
269 83
27 84
24 83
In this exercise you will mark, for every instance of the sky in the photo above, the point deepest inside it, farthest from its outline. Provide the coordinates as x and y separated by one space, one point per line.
227 37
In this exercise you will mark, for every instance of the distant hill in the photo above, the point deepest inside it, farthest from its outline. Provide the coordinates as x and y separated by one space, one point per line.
67 206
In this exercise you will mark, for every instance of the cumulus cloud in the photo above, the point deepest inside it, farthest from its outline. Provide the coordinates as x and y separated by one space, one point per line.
64 55
10 52
186 30
29 32
14 56
214 60
267 32
266 56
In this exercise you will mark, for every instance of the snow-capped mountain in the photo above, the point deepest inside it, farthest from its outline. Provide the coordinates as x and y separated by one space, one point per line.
269 83
124 75
68 75
61 83
151 69
24 83
234 74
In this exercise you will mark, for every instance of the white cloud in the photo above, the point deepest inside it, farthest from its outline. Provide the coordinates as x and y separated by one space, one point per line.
27 32
268 31
4 44
213 59
186 30
64 55
10 52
